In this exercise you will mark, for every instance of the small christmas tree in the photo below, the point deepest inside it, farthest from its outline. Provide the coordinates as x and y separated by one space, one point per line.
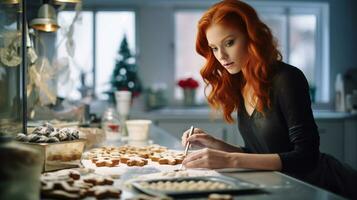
124 75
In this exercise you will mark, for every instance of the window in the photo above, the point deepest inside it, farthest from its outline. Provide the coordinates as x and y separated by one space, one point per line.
187 63
300 29
110 30
78 62
302 44
302 32
97 37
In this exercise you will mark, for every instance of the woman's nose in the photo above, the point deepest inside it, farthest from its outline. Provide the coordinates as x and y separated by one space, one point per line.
223 55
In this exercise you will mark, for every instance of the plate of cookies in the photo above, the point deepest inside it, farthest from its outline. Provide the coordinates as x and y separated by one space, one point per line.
77 184
193 185
116 160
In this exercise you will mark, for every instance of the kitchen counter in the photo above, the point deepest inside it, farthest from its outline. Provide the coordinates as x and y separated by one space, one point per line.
275 184
207 113
337 129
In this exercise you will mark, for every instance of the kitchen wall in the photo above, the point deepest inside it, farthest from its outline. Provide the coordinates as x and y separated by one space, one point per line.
155 34
155 47
343 40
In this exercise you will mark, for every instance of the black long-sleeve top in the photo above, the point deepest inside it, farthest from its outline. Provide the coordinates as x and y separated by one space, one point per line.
288 127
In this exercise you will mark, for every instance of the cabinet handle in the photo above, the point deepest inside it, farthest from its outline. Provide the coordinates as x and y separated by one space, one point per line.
224 134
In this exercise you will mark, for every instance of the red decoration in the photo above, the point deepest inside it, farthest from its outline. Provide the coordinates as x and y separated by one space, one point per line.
188 83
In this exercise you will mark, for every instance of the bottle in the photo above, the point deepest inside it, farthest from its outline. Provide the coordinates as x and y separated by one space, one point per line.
340 103
111 125
354 102
348 102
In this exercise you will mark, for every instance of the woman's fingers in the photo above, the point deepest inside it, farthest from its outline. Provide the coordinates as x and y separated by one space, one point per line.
206 158
199 159
198 163
202 137
194 156
185 137
194 142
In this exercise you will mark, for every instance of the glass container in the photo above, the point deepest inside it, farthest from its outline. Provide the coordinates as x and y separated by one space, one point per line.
12 69
111 124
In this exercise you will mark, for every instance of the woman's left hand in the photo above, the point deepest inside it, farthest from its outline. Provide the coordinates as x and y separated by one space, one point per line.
209 158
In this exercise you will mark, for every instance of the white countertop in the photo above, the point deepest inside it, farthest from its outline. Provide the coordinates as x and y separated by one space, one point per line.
207 113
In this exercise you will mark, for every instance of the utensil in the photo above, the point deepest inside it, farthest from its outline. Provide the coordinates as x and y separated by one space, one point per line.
187 146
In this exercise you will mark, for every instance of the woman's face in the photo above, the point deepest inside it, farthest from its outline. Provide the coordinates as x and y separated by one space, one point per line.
229 46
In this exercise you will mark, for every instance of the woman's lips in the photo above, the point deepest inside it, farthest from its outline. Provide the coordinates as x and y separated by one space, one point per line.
228 65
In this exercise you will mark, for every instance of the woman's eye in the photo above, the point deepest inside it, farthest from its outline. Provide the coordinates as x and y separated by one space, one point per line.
214 49
229 43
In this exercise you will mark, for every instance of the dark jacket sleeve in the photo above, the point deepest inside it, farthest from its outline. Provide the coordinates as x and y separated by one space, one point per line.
246 150
294 101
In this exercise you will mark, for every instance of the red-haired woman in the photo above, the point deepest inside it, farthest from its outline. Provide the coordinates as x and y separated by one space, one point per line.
244 73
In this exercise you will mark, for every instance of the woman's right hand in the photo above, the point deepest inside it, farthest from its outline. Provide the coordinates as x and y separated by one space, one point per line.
200 138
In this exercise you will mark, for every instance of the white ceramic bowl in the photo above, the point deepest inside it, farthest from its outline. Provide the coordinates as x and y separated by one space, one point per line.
138 129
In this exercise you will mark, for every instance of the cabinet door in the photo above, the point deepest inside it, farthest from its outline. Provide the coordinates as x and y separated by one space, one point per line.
232 135
351 142
331 137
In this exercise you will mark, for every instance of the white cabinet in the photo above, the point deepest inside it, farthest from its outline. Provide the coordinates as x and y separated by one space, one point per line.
350 142
331 137
338 137
233 136
338 131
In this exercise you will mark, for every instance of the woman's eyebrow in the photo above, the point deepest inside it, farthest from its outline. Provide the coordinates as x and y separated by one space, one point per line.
230 35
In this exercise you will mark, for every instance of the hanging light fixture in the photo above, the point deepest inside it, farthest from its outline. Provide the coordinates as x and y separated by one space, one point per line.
46 19
9 2
67 1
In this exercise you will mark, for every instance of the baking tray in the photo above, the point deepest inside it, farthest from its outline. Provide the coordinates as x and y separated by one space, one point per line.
236 185
60 155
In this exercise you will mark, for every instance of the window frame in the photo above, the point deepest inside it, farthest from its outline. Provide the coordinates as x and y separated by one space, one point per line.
95 10
323 51
322 62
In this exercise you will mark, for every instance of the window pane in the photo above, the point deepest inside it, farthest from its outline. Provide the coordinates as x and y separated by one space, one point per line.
110 30
83 52
295 32
277 24
187 62
303 44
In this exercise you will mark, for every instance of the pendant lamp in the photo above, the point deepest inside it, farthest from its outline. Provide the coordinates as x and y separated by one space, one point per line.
67 1
9 2
46 19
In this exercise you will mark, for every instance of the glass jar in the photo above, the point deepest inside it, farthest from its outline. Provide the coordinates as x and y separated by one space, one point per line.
111 124
12 68
20 172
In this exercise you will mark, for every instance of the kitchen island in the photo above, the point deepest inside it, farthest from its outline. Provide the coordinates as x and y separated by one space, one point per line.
273 185
337 130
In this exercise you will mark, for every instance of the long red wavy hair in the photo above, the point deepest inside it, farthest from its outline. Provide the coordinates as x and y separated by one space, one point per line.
225 89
